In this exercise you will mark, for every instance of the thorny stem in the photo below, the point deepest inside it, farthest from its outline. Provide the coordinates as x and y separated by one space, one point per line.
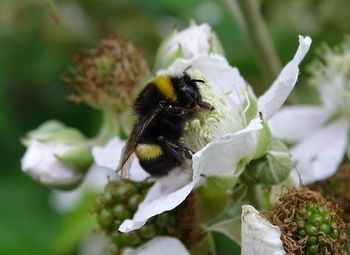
252 24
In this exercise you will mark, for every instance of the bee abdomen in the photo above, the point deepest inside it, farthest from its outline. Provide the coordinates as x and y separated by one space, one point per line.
148 151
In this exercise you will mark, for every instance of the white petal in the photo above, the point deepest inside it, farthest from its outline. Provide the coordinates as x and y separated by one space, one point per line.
218 71
40 162
109 155
194 41
94 244
319 155
293 123
272 100
220 157
259 236
94 181
160 246
164 195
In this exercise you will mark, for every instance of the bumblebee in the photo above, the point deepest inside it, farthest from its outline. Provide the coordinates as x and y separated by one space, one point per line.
162 109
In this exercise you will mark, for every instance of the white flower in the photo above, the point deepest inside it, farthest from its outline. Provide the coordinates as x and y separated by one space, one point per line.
56 156
187 44
259 236
160 246
108 157
97 176
321 131
225 139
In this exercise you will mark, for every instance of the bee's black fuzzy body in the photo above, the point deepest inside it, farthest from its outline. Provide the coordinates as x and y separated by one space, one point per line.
159 148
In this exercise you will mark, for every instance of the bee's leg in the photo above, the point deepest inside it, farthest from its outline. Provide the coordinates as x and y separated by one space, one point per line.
175 148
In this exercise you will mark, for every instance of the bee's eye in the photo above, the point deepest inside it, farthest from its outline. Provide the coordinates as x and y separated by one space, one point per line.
190 92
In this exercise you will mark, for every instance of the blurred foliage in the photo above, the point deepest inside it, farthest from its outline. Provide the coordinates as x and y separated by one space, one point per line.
36 49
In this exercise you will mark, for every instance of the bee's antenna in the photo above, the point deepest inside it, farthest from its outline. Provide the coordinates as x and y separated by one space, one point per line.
189 67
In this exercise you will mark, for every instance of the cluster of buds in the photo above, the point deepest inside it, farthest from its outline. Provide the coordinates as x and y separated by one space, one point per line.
109 76
120 201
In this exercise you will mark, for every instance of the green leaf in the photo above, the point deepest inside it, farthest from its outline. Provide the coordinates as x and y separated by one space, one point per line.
230 228
77 157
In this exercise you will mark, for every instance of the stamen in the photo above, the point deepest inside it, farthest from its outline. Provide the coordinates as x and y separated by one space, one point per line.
209 125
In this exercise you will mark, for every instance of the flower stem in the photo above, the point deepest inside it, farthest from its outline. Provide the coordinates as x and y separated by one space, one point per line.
256 197
110 127
252 24
54 12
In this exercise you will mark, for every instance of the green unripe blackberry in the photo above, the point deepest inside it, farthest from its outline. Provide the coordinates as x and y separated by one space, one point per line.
316 227
310 224
120 201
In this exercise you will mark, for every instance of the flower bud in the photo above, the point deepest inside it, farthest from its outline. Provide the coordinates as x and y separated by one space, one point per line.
109 76
189 43
57 156
273 168
310 224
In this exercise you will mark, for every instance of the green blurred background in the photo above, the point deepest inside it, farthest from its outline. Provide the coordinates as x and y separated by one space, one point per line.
35 50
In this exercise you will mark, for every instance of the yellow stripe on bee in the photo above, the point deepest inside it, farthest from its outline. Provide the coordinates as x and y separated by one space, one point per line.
148 151
165 86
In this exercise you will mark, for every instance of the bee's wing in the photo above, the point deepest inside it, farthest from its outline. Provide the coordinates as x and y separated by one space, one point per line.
134 138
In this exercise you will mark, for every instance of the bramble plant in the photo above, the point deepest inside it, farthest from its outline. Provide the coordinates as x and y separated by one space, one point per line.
238 161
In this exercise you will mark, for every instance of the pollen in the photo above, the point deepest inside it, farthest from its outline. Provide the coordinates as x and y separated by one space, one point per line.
207 126
148 151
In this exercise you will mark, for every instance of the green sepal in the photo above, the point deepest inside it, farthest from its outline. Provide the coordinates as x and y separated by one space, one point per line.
250 113
222 182
53 131
230 228
210 202
273 168
66 135
215 45
265 141
77 157
66 186
228 222
252 110
163 60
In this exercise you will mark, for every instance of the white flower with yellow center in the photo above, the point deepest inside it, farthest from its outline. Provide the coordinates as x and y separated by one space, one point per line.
224 140
321 131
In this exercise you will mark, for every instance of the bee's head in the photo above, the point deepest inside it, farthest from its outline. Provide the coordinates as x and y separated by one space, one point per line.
189 93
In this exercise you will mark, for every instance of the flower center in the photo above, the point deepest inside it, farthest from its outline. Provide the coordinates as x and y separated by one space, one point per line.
331 76
207 126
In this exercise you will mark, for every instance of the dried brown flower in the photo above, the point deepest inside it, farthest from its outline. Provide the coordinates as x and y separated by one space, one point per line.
109 76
